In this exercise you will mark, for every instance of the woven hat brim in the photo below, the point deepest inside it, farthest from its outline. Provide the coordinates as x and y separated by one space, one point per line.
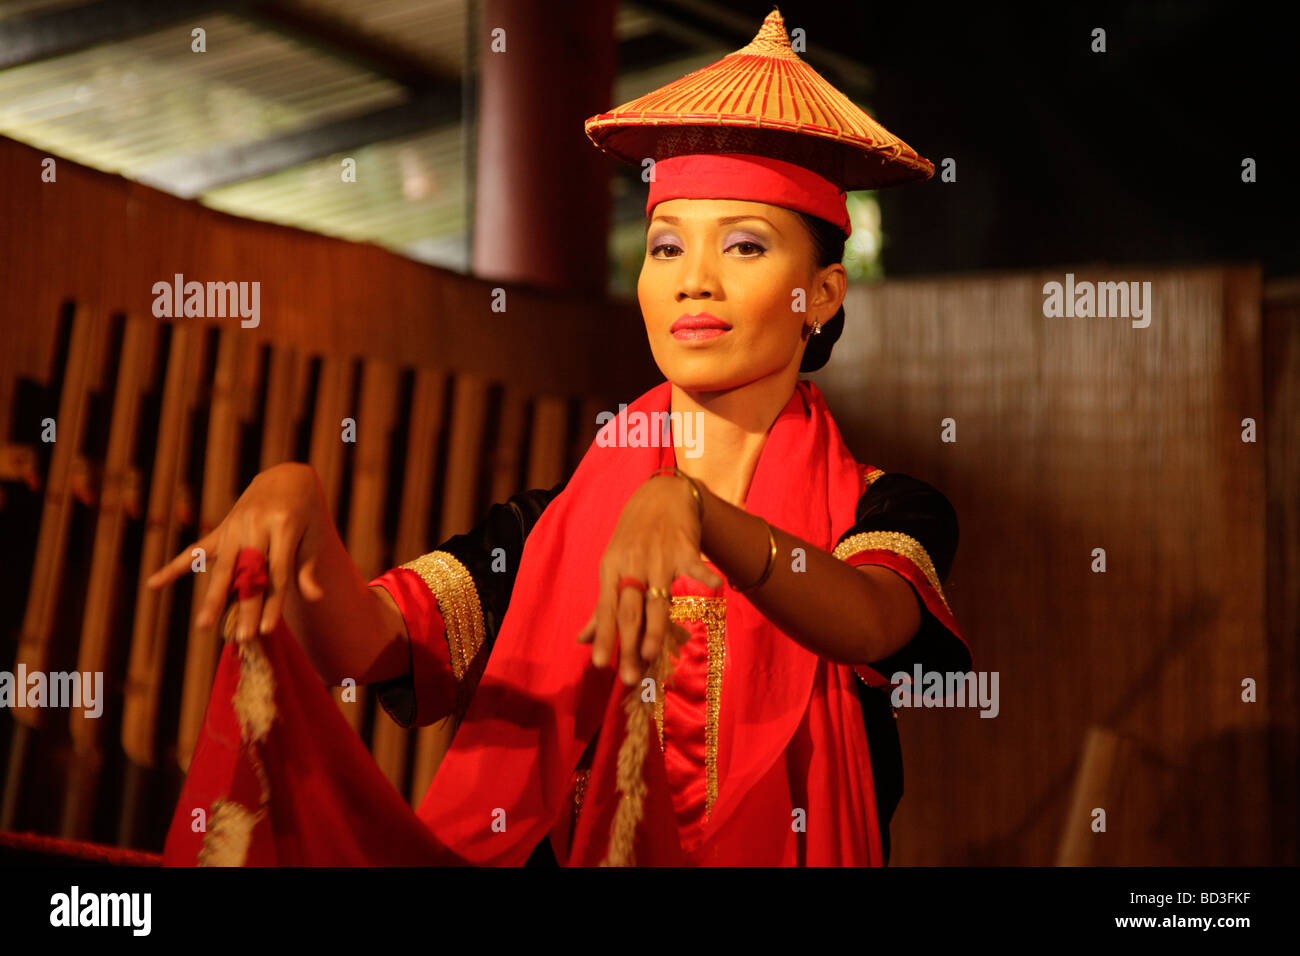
843 160
761 97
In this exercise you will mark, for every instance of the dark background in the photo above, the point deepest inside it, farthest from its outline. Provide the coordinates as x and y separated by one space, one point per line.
1069 156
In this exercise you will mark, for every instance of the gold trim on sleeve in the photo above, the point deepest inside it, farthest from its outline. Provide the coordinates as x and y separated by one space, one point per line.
870 475
713 612
462 614
895 542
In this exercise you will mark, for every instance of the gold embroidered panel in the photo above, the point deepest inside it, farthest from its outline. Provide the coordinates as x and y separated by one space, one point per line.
712 612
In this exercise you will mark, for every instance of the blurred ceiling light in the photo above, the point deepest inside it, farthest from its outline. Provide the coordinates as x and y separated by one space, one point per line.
418 179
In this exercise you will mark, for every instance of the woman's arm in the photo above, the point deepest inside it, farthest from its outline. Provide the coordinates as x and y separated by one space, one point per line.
313 582
846 614
349 631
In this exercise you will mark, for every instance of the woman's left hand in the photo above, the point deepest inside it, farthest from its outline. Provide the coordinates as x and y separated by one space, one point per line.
656 540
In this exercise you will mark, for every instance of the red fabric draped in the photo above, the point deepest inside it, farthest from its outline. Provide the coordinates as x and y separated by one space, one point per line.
309 788
794 773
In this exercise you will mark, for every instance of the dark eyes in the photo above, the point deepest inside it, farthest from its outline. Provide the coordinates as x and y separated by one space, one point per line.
750 249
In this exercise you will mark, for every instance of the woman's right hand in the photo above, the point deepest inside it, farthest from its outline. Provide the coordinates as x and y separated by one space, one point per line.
281 514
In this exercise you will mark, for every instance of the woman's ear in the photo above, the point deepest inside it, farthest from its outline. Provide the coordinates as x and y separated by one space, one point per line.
832 284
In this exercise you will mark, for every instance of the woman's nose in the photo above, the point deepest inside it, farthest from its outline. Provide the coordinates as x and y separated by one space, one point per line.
698 278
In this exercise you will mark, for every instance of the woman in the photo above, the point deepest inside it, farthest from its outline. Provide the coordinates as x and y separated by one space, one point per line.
792 579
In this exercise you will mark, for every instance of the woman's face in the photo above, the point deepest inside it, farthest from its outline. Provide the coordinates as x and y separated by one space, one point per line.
740 263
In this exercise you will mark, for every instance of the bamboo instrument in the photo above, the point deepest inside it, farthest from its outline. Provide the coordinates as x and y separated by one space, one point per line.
333 405
119 504
236 375
80 378
459 504
364 529
391 742
161 542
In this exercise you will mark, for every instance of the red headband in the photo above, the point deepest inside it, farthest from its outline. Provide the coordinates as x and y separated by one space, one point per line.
747 176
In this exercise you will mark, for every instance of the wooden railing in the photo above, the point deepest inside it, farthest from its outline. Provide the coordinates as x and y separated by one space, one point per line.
125 436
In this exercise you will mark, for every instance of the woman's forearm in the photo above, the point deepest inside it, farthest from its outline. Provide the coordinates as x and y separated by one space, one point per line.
846 614
350 632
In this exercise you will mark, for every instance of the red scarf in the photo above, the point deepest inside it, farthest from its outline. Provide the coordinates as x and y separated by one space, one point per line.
539 701
791 738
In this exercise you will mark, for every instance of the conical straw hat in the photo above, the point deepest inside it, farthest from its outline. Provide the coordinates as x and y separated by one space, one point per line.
761 99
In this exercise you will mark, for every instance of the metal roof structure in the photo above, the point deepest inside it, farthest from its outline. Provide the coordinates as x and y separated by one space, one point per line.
259 124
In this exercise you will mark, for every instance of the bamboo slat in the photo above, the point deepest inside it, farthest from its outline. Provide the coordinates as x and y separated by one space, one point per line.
119 505
548 450
391 743
460 496
236 375
149 637
48 567
376 419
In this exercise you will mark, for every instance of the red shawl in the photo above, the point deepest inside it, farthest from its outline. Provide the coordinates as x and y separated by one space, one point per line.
791 736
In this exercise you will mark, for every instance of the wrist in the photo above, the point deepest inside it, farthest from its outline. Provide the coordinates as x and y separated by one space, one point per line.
694 489
769 559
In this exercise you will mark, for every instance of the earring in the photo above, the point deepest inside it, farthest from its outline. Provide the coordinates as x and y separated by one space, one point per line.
816 328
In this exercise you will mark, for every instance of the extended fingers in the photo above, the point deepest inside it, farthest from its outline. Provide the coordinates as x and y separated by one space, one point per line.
282 546
178 565
605 627
631 612
214 598
657 606
250 608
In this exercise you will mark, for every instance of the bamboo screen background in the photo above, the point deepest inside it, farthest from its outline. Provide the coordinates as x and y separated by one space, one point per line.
1120 690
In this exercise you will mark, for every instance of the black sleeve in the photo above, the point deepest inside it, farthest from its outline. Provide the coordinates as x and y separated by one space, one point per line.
497 539
505 526
901 516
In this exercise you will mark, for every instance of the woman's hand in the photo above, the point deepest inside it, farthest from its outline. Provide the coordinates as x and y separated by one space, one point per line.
281 514
656 540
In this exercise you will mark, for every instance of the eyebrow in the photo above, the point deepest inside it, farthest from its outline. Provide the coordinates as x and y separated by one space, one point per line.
724 221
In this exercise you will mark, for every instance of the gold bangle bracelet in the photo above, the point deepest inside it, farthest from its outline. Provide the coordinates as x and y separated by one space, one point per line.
771 561
695 489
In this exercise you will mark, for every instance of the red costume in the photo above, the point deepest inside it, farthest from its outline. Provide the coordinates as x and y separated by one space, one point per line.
785 725
762 752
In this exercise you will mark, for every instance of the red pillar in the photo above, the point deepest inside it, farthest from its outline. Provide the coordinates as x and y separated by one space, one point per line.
542 201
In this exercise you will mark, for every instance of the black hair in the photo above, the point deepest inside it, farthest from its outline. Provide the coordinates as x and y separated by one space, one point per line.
828 249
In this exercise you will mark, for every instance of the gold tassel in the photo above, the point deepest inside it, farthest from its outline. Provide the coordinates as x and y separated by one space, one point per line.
229 834
632 753
230 824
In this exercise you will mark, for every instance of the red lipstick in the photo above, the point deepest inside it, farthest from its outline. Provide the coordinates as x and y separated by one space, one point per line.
700 326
